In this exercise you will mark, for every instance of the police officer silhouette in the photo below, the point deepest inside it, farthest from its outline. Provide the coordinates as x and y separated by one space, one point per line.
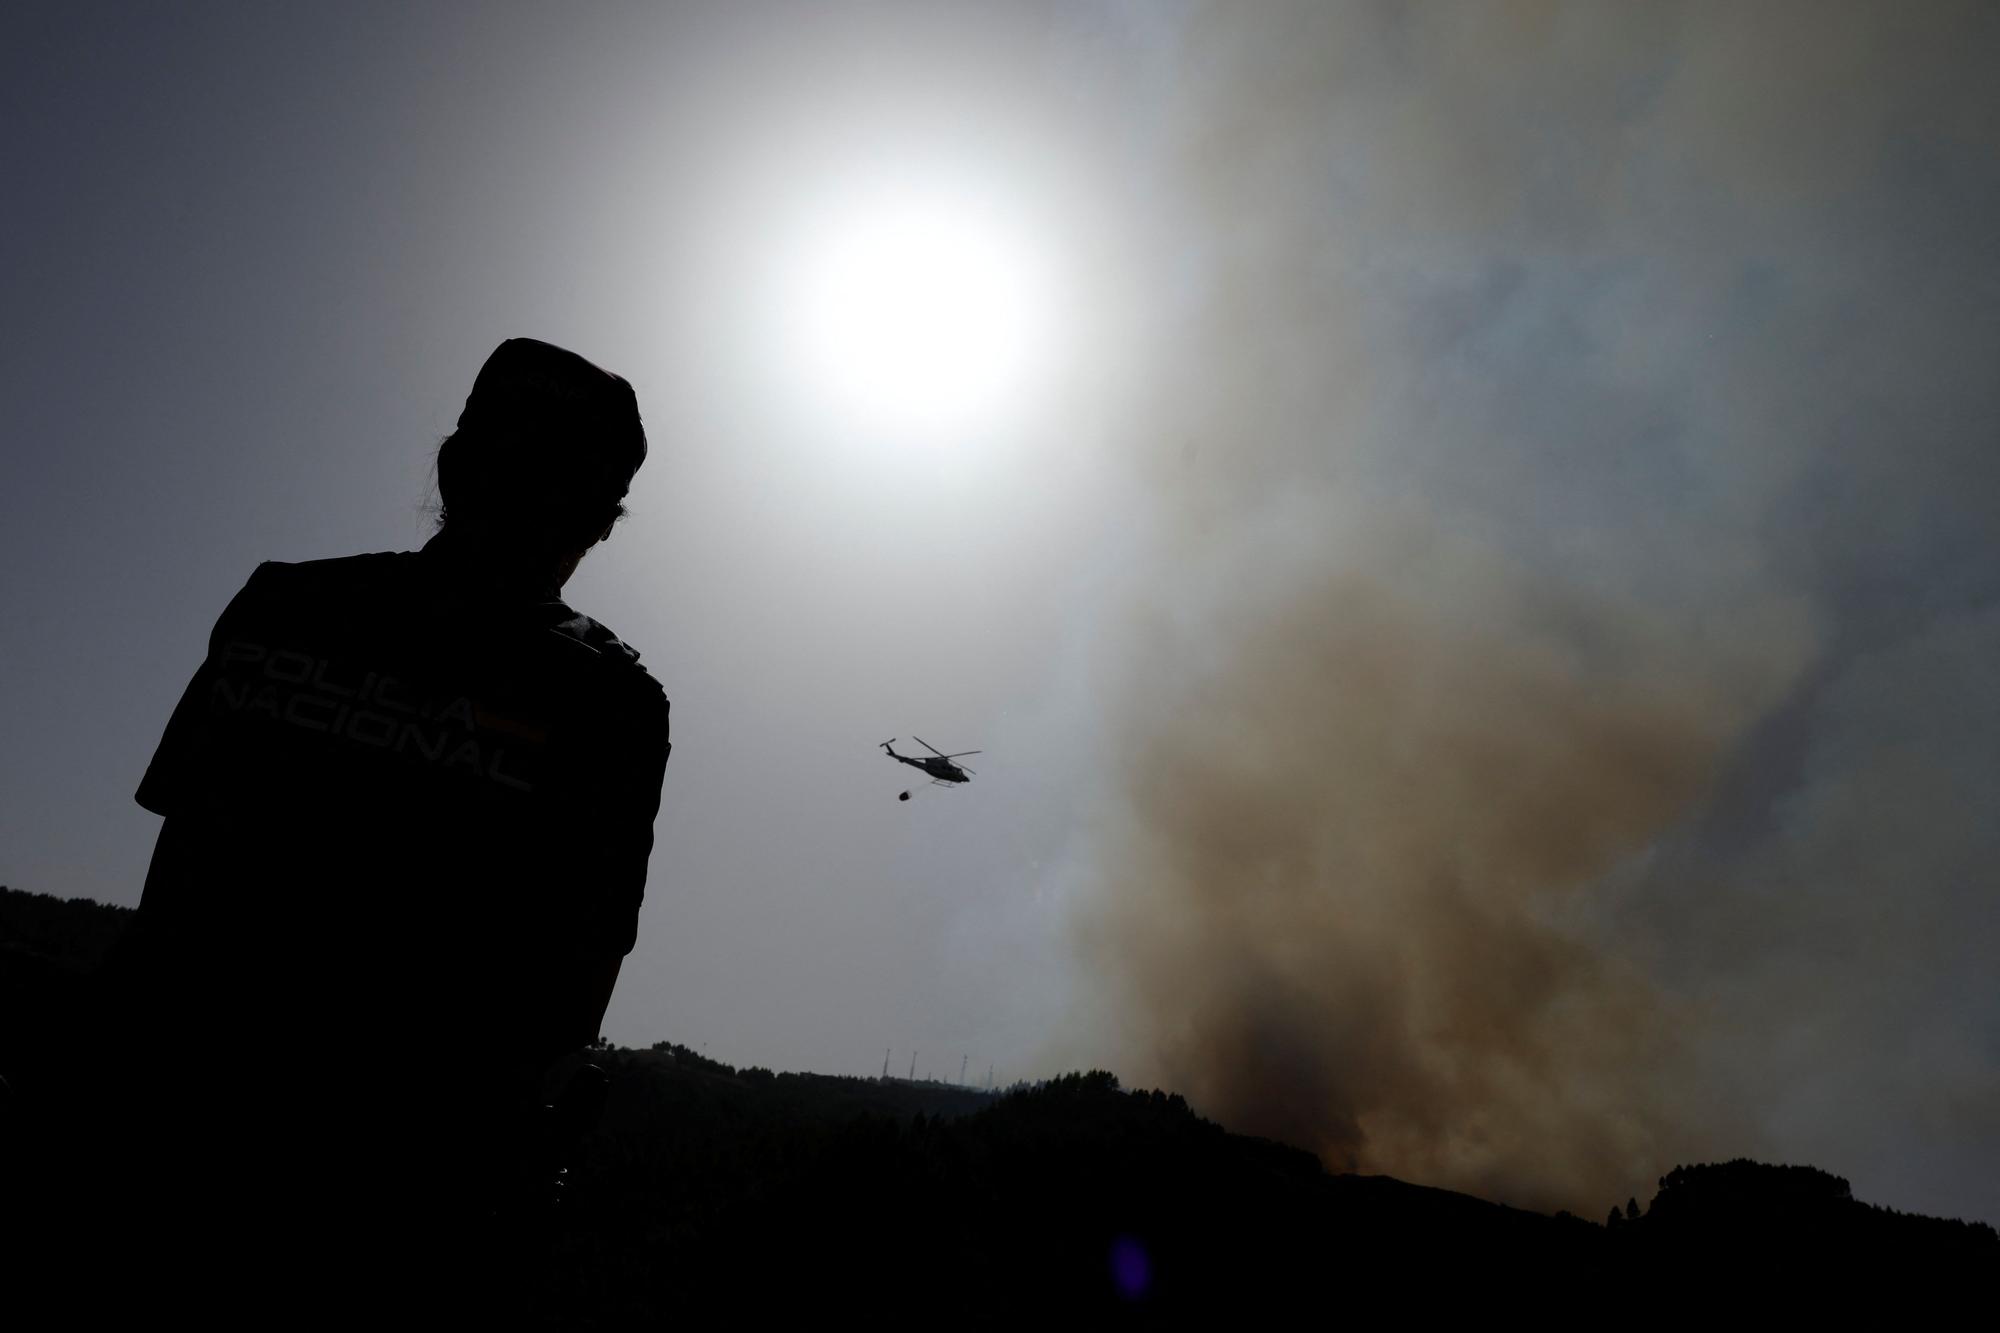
408 805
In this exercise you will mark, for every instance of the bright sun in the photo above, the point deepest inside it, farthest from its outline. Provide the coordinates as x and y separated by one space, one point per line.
918 310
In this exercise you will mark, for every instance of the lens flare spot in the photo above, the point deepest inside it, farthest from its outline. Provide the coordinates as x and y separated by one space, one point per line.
1131 1268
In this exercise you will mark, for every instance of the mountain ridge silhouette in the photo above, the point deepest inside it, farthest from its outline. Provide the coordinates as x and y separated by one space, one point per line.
800 1192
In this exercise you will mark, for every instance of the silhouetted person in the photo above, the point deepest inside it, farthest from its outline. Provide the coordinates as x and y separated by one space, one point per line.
409 801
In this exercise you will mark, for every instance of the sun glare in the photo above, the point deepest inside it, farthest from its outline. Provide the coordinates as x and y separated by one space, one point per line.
917 311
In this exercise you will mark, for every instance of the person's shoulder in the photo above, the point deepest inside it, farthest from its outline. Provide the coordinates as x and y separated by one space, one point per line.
338 573
281 591
617 657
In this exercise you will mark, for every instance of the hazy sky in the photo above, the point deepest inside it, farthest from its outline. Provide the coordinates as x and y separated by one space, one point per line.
1463 532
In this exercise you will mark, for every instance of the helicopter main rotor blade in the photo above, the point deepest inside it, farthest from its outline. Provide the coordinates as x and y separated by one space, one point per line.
964 752
927 745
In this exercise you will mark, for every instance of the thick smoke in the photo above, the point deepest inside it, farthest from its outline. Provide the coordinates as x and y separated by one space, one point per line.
1350 886
1557 415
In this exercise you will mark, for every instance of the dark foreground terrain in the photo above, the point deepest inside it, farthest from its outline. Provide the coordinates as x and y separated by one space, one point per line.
705 1190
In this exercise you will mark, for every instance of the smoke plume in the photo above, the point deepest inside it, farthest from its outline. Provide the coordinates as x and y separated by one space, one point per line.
1563 411
1350 887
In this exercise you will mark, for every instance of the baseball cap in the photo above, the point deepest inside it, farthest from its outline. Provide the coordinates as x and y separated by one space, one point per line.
530 389
543 431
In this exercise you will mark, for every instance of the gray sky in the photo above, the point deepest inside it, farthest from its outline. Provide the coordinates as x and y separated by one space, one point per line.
1472 575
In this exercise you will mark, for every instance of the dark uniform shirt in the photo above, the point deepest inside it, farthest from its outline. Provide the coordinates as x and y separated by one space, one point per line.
407 827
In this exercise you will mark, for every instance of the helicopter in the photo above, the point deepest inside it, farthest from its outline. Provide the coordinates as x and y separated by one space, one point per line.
938 764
